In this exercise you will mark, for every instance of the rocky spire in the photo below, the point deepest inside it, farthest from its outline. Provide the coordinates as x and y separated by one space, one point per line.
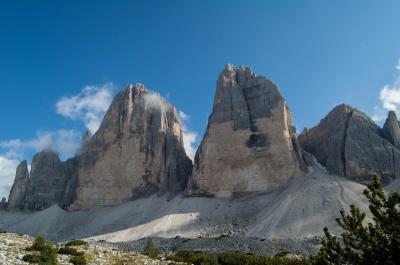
16 199
250 143
391 129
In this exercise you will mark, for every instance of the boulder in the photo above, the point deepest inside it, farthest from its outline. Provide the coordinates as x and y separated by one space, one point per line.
250 143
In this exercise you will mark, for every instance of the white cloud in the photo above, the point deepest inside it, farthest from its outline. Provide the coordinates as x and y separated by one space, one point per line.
390 99
156 101
64 142
7 173
390 96
189 136
88 106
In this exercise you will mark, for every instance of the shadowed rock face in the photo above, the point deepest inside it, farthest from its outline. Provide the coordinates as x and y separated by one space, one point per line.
250 143
18 190
348 143
137 151
47 181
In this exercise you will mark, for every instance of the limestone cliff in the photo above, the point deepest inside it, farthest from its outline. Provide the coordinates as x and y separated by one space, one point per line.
137 151
250 143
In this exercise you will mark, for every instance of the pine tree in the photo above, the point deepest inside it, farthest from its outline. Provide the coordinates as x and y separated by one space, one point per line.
373 243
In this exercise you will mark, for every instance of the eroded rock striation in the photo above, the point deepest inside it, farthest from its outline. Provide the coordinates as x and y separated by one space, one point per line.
250 143
348 143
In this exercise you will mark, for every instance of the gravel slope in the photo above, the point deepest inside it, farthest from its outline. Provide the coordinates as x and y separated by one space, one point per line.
297 212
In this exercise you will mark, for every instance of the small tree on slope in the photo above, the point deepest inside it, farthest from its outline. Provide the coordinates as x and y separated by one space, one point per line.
372 243
150 249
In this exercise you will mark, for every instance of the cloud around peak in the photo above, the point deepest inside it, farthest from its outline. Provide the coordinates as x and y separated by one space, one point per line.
88 106
189 136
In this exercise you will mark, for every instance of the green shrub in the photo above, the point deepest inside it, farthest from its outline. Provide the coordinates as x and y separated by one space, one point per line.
47 253
198 258
38 244
48 256
151 250
78 260
69 251
31 258
76 242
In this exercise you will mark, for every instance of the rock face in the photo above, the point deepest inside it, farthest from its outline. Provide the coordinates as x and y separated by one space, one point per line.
137 151
391 129
16 200
250 143
47 181
348 143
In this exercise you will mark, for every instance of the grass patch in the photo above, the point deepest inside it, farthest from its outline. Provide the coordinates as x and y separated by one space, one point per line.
76 242
69 251
78 260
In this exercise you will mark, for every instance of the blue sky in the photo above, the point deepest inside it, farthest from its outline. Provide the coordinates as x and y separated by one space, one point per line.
319 53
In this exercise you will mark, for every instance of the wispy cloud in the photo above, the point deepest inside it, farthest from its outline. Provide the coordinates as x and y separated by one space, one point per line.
156 101
65 142
89 105
389 97
189 136
7 172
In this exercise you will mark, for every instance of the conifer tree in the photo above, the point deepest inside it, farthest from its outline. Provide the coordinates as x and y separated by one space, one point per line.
377 242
